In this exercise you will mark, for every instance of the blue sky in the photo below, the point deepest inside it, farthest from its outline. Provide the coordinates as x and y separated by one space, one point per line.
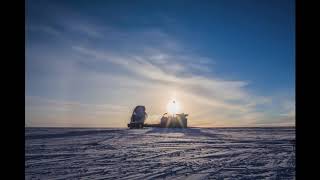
228 63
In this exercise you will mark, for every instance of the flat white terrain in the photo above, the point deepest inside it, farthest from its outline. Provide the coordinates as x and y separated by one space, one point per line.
155 153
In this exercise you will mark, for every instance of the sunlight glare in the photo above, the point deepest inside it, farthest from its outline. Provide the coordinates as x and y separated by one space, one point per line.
173 107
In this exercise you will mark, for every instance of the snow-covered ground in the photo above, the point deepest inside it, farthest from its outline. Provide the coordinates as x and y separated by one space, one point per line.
152 153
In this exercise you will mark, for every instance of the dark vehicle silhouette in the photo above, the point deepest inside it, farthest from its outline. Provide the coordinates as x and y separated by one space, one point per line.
174 121
138 117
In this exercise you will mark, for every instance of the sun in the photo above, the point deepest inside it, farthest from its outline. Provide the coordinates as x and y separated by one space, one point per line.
173 107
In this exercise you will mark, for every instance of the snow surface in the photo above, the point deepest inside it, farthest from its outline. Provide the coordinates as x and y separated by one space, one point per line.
155 153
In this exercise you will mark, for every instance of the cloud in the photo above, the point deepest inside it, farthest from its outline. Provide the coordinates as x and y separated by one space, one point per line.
222 99
50 112
44 28
215 101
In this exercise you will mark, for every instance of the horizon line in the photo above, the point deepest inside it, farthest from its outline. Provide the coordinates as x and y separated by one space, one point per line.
167 128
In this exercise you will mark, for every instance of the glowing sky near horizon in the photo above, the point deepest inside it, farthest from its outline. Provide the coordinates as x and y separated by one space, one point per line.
89 63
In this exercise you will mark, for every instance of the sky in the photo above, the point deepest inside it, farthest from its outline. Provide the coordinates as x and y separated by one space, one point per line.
227 62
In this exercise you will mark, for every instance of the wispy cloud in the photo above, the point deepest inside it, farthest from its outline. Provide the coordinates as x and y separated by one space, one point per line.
39 110
44 28
222 100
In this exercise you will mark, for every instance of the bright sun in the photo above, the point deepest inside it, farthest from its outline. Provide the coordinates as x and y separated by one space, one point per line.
173 107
